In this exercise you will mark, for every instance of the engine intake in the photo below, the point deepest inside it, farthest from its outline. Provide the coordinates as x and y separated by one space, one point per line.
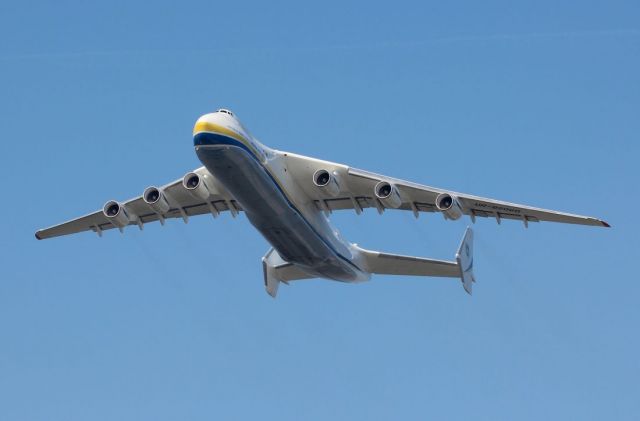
157 201
327 182
388 194
196 185
449 206
117 214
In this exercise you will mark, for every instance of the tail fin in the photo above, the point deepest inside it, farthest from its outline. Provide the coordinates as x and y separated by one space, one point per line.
464 257
277 270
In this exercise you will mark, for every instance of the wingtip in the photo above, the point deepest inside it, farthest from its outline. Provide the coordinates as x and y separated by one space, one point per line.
38 235
605 224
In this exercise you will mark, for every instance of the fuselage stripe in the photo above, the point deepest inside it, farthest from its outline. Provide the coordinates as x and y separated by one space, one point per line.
208 127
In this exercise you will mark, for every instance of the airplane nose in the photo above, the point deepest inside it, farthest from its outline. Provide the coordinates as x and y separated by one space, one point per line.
217 129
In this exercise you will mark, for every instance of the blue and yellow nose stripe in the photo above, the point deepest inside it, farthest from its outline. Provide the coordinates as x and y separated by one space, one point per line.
207 133
206 126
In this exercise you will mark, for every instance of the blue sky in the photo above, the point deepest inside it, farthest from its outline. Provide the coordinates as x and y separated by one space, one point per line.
535 103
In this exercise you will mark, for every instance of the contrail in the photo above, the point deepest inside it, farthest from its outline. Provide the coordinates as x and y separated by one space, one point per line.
524 36
364 46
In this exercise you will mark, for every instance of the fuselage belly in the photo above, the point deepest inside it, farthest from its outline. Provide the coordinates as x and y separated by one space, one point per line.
270 211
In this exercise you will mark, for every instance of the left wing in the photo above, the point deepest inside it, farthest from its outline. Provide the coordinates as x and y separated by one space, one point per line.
335 186
195 194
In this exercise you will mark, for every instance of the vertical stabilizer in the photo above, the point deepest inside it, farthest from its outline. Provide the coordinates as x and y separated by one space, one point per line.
277 270
464 257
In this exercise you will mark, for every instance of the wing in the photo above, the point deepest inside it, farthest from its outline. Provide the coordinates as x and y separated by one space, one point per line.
195 194
350 188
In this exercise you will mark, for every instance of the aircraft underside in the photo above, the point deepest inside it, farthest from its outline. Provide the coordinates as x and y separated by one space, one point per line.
267 208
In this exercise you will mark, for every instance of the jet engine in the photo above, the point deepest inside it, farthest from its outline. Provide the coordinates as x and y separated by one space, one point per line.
388 194
155 198
449 206
117 214
196 185
327 182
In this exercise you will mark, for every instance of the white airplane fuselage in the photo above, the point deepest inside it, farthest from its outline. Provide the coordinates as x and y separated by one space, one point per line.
256 176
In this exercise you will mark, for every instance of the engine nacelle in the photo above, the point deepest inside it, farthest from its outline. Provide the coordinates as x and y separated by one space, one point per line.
196 185
327 182
117 214
155 198
388 194
449 206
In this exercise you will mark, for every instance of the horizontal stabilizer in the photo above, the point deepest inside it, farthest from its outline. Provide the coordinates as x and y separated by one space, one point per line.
395 264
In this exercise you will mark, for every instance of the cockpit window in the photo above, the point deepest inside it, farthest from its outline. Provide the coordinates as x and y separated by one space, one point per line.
222 110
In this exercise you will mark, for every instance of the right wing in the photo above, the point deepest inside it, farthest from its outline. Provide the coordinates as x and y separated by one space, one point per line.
174 200
358 189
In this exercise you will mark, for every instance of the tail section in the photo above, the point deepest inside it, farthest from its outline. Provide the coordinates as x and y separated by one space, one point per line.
395 264
277 270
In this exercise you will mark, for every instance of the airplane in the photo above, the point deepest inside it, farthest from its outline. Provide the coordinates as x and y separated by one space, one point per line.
288 198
